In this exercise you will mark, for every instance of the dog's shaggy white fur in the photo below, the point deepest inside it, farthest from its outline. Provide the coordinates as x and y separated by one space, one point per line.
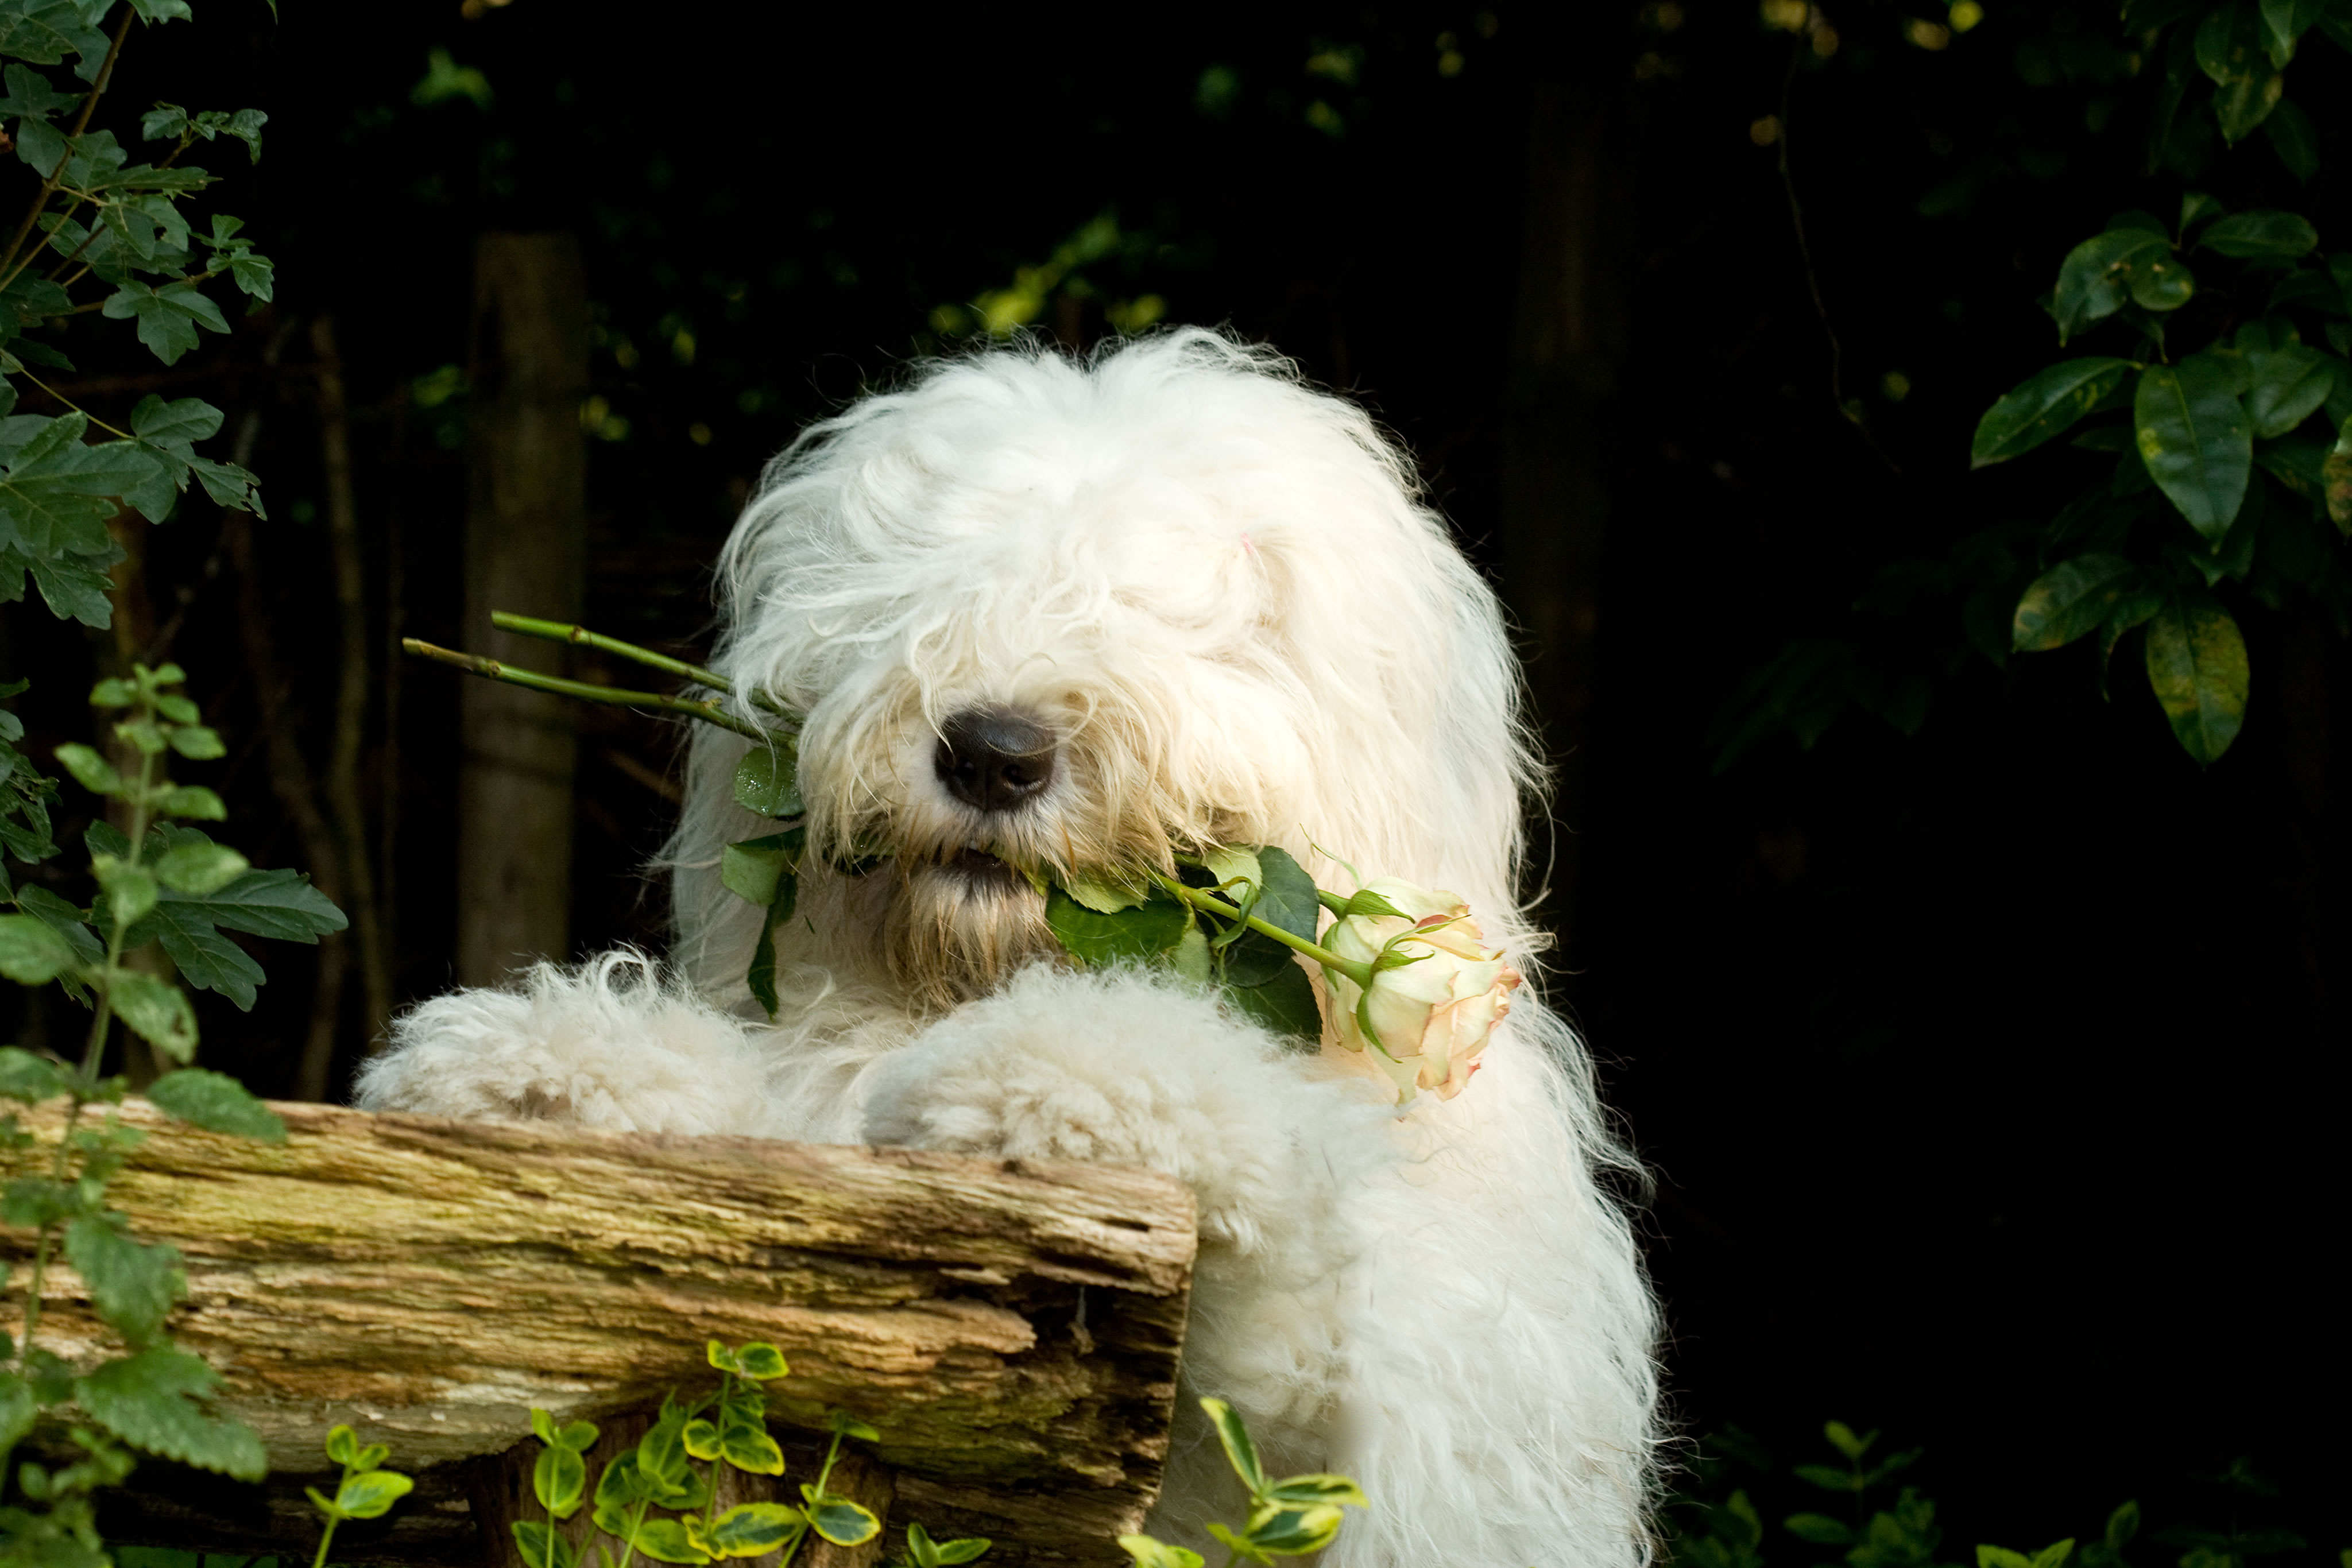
1219 592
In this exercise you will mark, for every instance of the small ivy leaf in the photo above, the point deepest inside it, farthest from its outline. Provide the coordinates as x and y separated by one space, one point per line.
753 1529
1148 1552
666 1541
750 1449
578 1435
1242 1546
767 780
761 1361
1295 1531
1284 1005
1240 1452
1289 902
543 1425
701 1439
342 1444
2197 666
541 1547
970 1547
1317 1489
559 1478
842 1522
716 1352
371 1494
849 1426
2043 407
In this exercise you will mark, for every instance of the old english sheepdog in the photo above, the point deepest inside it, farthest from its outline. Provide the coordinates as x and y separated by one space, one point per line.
1082 613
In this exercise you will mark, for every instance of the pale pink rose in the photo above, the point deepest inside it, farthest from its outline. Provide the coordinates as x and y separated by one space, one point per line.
1433 1014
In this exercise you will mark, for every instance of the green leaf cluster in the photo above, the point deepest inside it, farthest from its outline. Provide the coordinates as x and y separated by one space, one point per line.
1290 1517
652 1500
367 1490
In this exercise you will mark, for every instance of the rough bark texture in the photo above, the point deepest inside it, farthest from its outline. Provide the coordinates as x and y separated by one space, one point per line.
429 1282
524 531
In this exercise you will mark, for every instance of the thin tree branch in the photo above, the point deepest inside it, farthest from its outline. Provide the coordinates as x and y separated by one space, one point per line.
8 263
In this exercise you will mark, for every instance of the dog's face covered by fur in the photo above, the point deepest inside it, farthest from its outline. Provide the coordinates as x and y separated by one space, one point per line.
1045 615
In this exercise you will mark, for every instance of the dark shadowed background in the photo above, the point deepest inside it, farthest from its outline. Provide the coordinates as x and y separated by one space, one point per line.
1992 1074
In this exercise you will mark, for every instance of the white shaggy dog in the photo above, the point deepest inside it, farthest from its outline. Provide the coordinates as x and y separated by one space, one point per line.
1076 613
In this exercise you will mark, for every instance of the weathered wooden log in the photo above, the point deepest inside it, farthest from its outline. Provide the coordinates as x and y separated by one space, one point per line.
1010 1328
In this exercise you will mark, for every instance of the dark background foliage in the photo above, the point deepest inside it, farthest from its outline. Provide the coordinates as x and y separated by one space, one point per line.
1992 1074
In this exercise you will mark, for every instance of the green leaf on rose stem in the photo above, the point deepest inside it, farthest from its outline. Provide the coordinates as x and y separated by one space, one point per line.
2195 438
157 1010
1105 897
753 1529
844 1523
760 978
539 1546
31 952
1240 1452
1288 903
216 1103
2294 139
167 317
371 1495
767 781
132 1286
2069 600
2197 666
1233 865
1190 957
754 869
27 1079
2246 86
2044 406
149 1401
1284 1006
2269 234
761 1361
1139 934
1149 1553
1819 1529
2103 271
2289 385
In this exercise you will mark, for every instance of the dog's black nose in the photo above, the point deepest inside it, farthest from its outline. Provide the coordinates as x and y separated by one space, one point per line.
994 758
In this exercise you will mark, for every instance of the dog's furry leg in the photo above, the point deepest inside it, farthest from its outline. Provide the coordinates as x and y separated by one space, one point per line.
609 1044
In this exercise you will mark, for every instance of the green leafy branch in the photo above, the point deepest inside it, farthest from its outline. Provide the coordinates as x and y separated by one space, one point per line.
727 1427
1294 1516
367 1490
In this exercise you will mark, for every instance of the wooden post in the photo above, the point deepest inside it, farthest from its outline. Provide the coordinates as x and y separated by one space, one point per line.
525 525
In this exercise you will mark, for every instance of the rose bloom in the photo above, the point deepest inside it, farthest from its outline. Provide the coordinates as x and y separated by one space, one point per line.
1433 1015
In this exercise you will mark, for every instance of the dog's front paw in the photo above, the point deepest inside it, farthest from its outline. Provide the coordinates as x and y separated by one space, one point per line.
608 1045
1126 1068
